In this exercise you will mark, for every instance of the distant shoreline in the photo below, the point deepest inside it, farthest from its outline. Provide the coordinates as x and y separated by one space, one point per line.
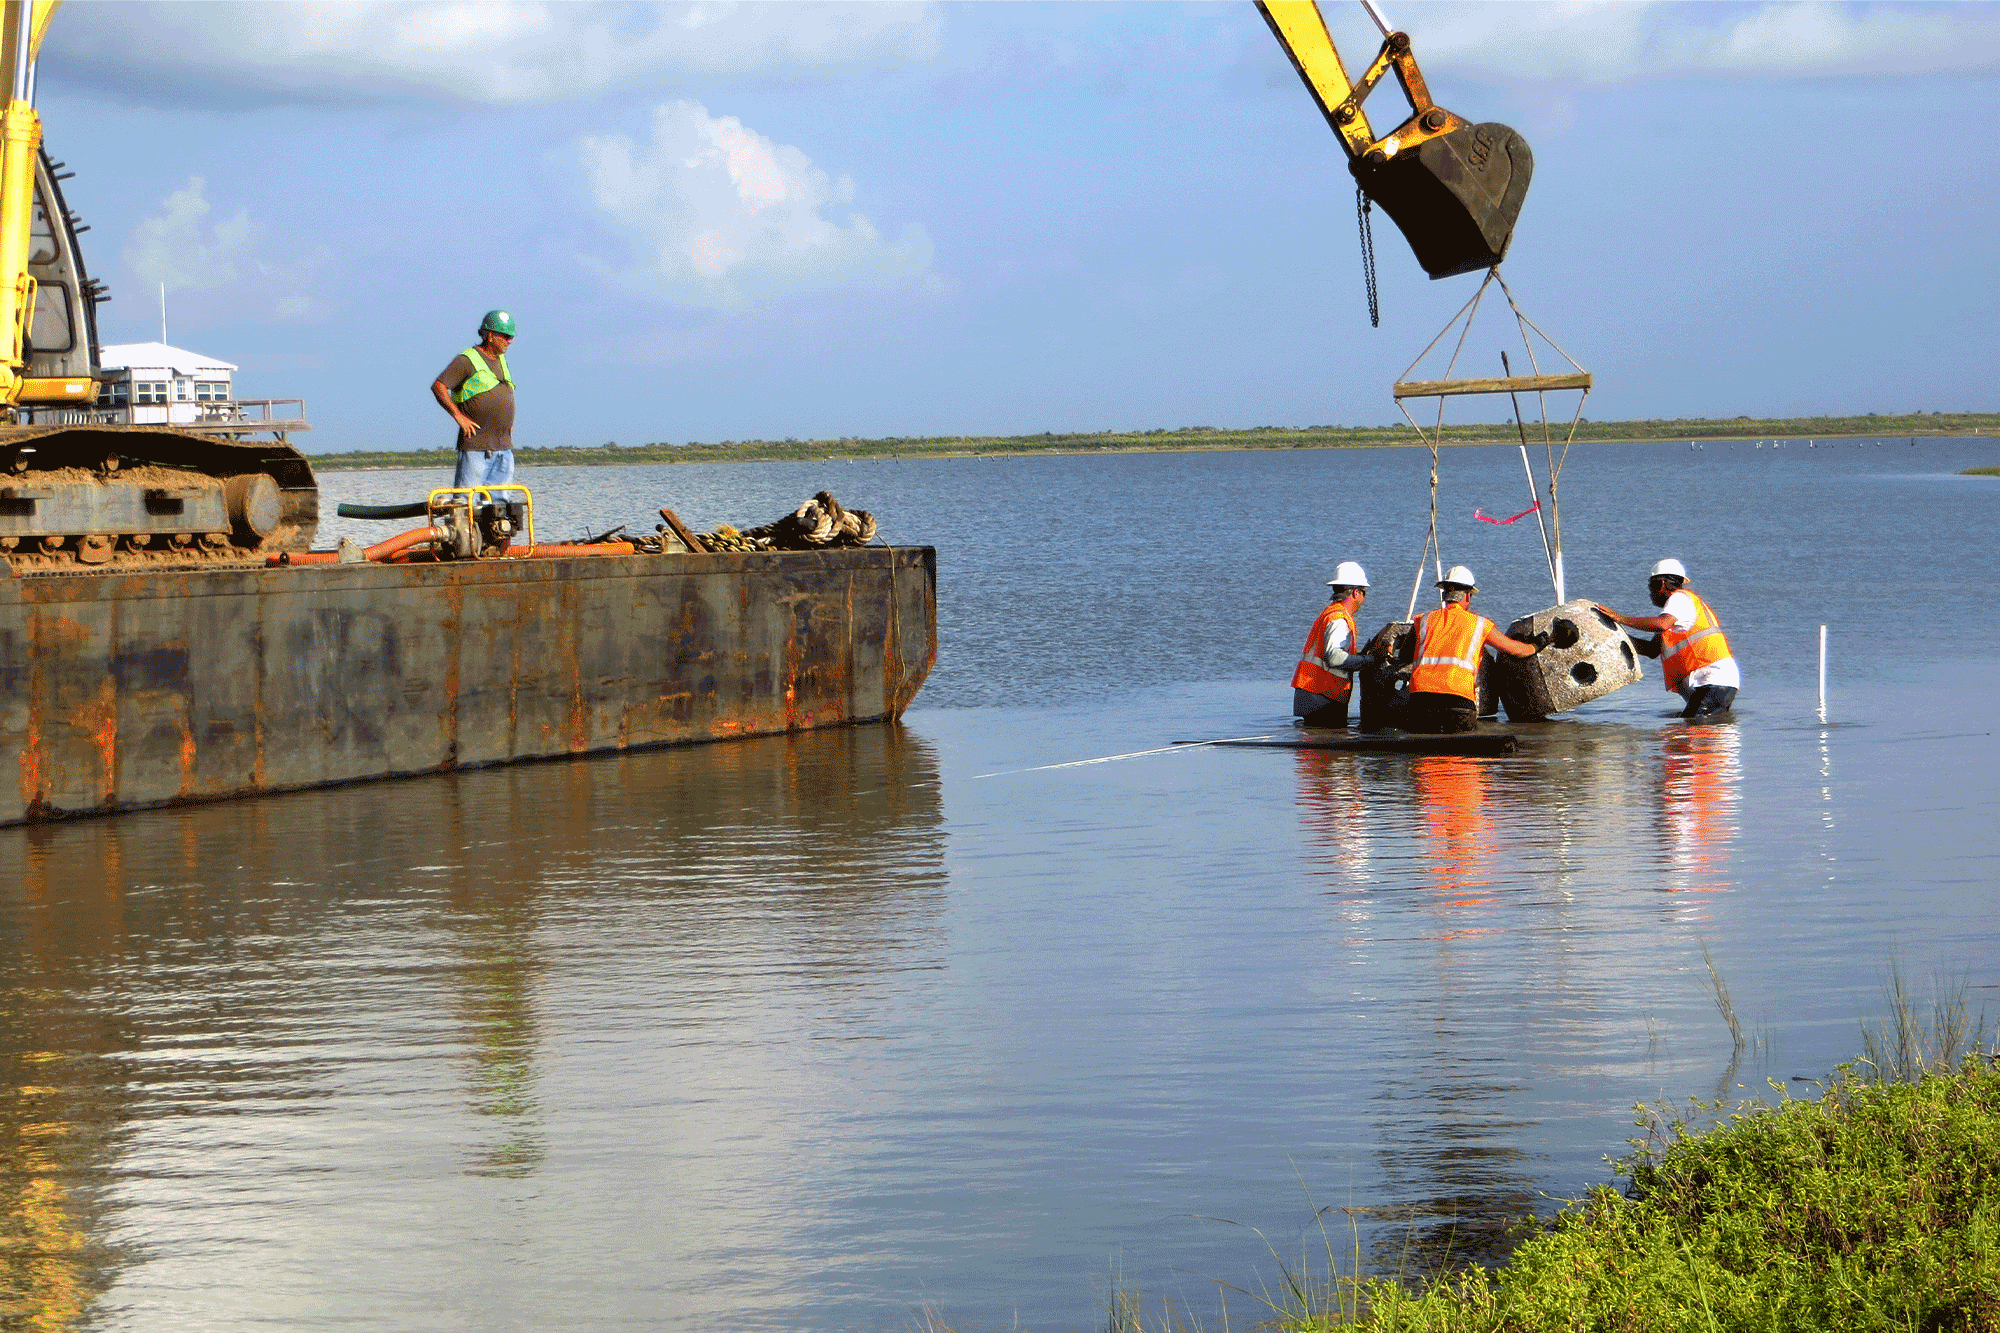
1193 439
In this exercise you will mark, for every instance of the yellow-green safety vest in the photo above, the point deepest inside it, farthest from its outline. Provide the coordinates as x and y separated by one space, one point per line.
482 378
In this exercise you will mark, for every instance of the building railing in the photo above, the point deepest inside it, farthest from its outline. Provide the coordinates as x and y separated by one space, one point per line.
234 416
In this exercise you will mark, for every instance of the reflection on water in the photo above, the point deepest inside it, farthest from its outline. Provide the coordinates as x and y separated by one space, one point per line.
1463 849
1700 770
212 1016
498 973
1449 793
811 1033
46 1261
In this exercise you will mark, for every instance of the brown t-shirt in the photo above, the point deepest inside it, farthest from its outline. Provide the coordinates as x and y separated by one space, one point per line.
492 411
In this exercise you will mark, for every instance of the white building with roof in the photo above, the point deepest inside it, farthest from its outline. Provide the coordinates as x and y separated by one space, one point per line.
153 384
158 385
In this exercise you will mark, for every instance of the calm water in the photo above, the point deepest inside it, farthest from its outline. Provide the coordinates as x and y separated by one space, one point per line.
819 1032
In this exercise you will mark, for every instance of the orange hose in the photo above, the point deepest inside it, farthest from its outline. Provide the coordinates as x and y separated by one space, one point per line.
402 541
543 552
401 549
559 552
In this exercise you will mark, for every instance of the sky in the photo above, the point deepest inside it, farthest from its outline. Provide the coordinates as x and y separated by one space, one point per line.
718 221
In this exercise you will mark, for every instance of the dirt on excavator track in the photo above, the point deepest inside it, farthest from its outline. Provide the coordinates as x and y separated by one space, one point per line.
89 498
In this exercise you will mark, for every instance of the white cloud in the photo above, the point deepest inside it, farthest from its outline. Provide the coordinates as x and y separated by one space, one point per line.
181 248
487 51
178 246
1617 40
721 217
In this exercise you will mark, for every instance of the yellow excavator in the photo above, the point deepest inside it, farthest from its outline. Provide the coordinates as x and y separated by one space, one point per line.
1454 188
77 489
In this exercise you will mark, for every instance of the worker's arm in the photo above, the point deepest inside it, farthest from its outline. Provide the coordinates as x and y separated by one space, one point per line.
1653 623
1338 658
1512 647
443 395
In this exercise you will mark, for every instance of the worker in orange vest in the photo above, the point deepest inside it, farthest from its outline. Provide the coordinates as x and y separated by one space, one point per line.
1448 644
1323 681
1693 651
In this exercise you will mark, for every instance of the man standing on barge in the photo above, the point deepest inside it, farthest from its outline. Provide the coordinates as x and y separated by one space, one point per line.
1693 651
478 392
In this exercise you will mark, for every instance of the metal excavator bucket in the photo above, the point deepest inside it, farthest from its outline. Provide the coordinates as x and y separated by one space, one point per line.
1456 197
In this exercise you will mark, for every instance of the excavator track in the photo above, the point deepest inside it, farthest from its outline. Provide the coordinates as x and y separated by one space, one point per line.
98 498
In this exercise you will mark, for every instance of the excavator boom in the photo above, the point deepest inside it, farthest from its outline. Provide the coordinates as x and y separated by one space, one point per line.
1453 188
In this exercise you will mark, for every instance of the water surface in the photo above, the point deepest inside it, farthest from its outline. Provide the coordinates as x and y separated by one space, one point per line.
819 1032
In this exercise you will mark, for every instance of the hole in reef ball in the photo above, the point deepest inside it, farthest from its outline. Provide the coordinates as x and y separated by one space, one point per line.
1583 673
1563 634
1626 649
1609 623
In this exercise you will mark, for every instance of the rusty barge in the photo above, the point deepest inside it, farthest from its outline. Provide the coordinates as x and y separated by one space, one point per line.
167 637
127 688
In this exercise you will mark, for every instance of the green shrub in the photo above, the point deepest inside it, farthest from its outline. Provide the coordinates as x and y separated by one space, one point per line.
1873 1206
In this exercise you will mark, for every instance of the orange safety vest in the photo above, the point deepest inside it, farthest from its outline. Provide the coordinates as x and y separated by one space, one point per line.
1313 674
1682 653
1449 643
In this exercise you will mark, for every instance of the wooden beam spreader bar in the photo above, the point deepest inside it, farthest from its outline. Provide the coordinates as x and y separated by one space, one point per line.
1516 384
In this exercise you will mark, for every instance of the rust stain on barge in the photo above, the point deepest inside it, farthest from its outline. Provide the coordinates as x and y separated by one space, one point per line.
138 689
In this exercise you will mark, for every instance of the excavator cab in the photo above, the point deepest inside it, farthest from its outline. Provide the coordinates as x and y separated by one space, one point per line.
1453 188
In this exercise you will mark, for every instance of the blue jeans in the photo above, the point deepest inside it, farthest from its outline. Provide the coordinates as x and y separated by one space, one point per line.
479 468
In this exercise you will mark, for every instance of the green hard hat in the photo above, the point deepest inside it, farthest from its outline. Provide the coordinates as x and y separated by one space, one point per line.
497 321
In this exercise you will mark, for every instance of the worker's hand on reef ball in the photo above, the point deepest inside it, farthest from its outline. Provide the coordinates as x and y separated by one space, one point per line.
1359 662
1541 640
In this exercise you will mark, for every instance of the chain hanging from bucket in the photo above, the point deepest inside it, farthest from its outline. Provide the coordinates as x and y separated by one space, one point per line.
1362 208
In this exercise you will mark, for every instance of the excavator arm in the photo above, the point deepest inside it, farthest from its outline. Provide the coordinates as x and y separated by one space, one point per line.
23 23
1453 188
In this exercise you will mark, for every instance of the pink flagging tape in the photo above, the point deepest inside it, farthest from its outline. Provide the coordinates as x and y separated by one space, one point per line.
1480 514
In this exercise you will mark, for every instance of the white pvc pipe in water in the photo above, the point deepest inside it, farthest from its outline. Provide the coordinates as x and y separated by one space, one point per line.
1822 673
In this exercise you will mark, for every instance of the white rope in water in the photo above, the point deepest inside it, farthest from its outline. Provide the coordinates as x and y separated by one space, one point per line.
1135 754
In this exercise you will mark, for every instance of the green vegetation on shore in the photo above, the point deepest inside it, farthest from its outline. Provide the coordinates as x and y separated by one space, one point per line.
1874 1206
1191 438
1980 472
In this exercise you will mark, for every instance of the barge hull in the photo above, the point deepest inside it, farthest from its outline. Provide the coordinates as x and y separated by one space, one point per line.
123 691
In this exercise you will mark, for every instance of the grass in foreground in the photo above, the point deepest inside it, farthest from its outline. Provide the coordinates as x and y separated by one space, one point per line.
1874 1206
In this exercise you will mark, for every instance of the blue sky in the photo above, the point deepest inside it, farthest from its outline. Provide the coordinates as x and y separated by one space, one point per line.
737 221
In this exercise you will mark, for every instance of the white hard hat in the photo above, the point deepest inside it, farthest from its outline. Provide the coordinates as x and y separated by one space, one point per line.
1348 574
1674 567
1458 576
